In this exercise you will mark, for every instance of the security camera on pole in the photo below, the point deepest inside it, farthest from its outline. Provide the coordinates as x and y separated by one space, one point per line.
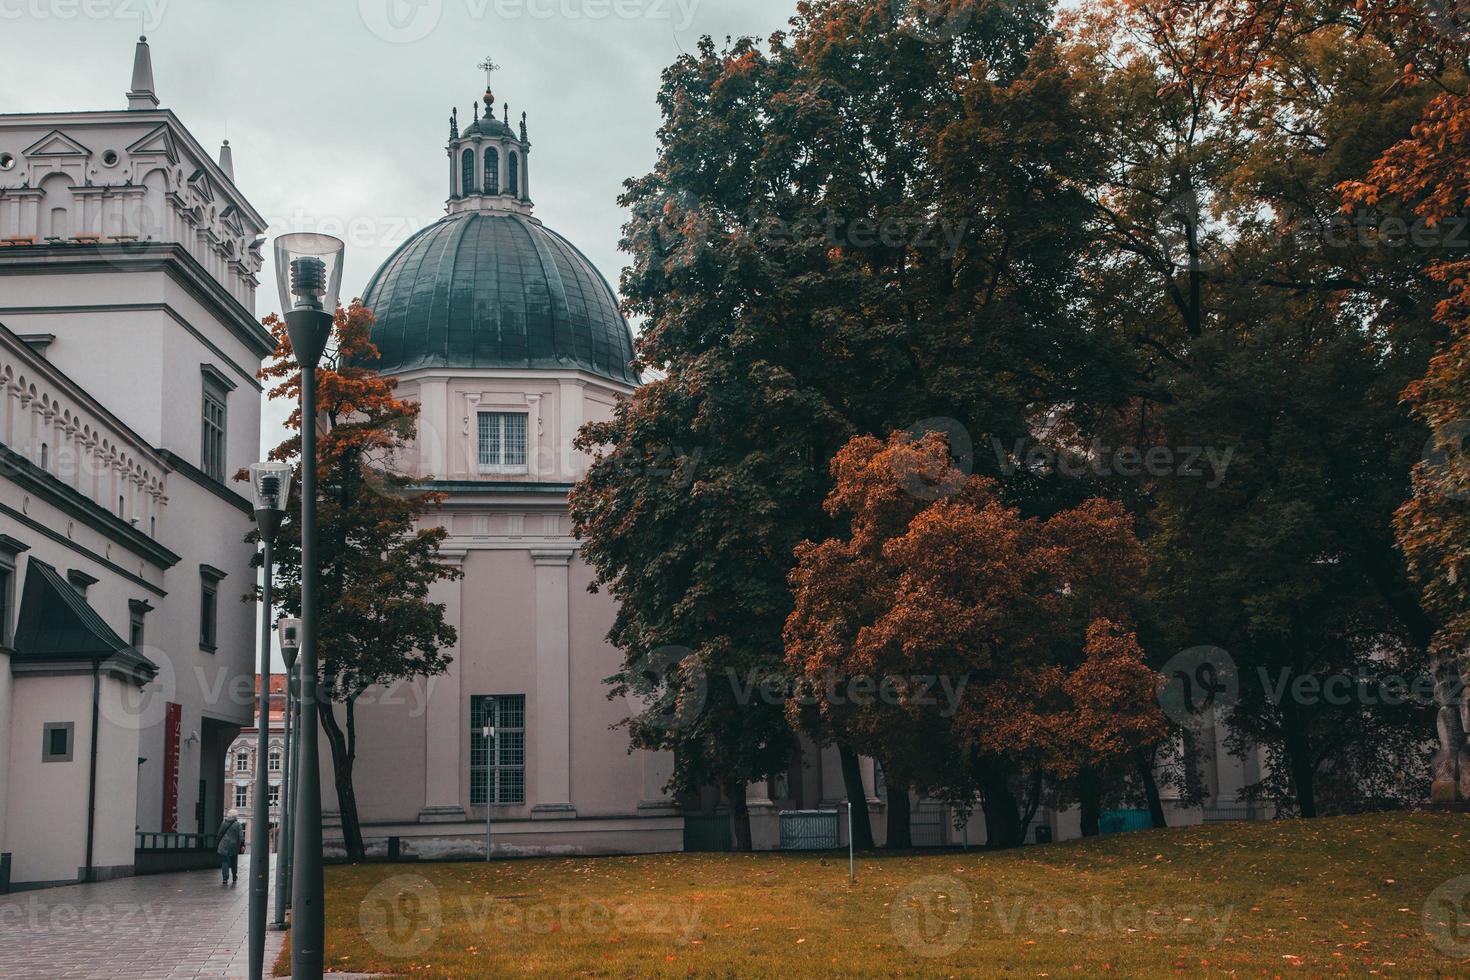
309 276
271 485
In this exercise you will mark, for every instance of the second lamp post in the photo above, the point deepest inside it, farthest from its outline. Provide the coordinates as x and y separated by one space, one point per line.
271 483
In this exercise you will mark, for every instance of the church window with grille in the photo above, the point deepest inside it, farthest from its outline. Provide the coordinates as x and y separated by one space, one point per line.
492 171
467 172
498 761
515 175
502 441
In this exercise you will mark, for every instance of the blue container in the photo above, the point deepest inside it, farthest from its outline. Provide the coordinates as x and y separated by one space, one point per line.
1120 821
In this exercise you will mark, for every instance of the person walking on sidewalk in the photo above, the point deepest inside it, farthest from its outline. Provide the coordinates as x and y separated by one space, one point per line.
231 842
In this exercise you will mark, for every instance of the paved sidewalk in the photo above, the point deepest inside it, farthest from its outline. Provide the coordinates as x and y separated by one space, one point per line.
160 926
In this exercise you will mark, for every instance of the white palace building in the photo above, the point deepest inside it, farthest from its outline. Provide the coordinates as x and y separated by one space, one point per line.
128 351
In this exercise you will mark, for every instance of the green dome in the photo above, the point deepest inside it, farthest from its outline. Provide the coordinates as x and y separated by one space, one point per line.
483 289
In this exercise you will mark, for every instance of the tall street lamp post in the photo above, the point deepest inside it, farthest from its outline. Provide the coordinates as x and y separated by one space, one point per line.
290 630
309 276
271 483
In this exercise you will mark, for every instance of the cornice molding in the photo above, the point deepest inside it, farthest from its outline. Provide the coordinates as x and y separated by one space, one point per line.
170 257
31 477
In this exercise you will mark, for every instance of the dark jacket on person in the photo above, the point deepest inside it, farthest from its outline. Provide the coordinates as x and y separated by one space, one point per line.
231 837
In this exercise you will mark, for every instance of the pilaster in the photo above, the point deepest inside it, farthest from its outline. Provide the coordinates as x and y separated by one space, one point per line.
446 733
553 720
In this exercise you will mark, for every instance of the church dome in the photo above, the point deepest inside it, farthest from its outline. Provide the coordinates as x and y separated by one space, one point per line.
496 289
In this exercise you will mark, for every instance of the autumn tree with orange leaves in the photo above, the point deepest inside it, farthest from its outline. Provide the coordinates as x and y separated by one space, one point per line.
378 625
973 651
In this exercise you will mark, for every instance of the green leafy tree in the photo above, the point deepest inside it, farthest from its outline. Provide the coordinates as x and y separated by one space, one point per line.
868 222
1253 310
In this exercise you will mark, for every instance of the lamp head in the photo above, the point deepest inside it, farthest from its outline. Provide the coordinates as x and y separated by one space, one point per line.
290 641
309 271
271 484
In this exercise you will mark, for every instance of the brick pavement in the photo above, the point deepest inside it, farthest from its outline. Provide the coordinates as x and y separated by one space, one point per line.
160 927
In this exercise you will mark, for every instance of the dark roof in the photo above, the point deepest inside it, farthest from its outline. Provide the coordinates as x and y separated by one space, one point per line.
496 290
57 623
489 126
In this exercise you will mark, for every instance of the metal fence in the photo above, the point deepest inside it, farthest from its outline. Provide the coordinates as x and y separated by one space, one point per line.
809 830
926 825
707 833
172 841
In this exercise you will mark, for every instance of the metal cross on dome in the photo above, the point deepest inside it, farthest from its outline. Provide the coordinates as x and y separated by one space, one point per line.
488 67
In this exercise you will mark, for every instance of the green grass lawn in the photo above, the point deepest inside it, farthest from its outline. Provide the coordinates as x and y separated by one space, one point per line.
1307 898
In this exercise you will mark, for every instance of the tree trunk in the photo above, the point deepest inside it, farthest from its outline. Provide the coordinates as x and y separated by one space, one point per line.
1299 756
1003 826
900 830
344 754
1089 794
739 816
1146 776
852 780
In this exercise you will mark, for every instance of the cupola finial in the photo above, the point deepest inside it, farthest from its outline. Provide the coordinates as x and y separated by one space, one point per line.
141 95
489 68
454 123
523 127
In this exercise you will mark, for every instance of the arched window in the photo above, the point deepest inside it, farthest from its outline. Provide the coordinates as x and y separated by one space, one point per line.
45 457
514 179
492 170
467 172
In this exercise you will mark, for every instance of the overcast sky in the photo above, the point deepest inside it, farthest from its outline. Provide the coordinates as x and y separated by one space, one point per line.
338 111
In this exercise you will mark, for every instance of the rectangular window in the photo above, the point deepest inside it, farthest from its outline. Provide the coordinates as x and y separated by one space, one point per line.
498 763
242 797
208 613
502 442
242 761
135 629
7 600
274 761
56 741
273 797
212 449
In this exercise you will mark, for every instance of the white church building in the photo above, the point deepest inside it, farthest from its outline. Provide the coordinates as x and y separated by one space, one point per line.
509 339
128 399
